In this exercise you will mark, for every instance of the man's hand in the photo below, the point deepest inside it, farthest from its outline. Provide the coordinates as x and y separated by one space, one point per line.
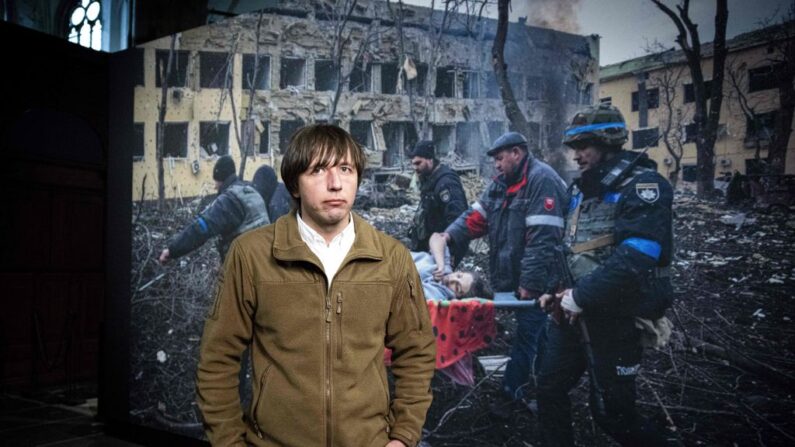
570 307
524 294
395 443
438 274
165 255
546 301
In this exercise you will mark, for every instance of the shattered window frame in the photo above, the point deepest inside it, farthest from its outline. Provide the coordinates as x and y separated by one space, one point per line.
214 70
263 81
652 99
329 84
179 68
213 132
643 137
264 137
444 138
286 67
357 127
139 141
445 75
284 137
175 133
360 79
389 78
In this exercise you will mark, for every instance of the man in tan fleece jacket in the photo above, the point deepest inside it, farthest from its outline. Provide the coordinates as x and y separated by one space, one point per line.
318 296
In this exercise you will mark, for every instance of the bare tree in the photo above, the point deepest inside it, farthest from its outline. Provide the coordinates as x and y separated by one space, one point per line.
343 35
707 113
512 111
737 76
673 118
165 76
782 59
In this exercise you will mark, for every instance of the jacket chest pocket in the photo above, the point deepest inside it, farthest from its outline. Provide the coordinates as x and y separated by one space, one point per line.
360 308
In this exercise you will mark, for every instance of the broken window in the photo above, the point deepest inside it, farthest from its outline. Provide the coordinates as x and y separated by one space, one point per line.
470 84
359 80
445 82
214 70
389 78
443 135
496 129
689 173
535 88
416 86
325 76
263 80
690 93
138 141
85 24
652 99
179 68
764 78
138 60
399 137
491 87
691 133
214 138
362 132
761 129
175 140
293 72
641 138
264 139
467 141
286 130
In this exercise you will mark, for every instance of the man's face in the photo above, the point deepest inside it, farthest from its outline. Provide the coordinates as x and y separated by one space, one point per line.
587 157
459 282
327 195
507 161
422 166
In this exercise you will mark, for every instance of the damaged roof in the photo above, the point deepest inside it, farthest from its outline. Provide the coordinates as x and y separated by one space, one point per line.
759 37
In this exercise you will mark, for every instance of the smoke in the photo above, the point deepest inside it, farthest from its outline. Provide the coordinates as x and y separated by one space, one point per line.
560 15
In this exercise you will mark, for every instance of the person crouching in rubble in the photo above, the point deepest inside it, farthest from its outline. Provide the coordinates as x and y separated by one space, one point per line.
521 213
440 282
620 240
237 209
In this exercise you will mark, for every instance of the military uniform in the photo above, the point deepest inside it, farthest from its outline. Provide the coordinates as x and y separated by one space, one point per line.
620 242
442 200
237 209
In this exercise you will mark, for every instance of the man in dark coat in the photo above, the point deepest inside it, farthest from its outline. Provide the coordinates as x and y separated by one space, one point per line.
619 236
273 192
237 209
521 213
442 199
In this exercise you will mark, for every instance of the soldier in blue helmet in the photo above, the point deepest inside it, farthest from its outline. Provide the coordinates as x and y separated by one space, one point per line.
620 245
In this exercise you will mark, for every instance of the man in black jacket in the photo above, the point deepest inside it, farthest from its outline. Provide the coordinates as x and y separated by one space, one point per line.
237 209
521 213
274 193
442 199
619 237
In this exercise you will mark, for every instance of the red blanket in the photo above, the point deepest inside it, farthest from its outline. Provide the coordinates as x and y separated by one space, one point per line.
460 327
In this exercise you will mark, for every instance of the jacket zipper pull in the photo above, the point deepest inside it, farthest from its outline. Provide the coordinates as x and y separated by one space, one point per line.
328 309
339 303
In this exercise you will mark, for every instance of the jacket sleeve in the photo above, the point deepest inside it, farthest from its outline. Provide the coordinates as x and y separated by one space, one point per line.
544 222
642 234
450 193
222 216
473 223
226 331
410 336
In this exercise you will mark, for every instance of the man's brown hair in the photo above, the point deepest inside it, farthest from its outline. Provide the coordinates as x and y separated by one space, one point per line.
326 143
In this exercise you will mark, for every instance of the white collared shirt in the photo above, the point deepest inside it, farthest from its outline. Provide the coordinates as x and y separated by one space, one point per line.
331 255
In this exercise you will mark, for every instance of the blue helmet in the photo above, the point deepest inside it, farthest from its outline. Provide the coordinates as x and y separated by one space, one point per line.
602 125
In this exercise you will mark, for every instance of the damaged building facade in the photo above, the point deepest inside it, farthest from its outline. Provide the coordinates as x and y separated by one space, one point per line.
405 73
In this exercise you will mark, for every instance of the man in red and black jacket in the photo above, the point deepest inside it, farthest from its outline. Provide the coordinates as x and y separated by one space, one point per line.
521 213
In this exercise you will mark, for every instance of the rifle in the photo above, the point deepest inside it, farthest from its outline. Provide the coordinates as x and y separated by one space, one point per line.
567 282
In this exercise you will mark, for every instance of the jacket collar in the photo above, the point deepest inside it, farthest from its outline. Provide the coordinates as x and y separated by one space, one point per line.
232 178
288 245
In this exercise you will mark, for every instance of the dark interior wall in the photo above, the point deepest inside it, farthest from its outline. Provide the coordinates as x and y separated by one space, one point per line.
158 18
53 139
